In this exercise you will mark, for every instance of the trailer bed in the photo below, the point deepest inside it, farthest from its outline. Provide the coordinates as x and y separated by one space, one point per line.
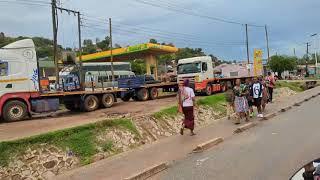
71 93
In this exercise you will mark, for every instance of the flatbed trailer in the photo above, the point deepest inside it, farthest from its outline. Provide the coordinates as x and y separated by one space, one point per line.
141 90
21 94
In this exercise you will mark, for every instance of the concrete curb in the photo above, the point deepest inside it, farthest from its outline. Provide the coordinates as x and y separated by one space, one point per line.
285 109
245 127
269 116
207 145
149 172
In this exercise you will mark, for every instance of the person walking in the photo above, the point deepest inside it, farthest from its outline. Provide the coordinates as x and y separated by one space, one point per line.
271 83
249 96
265 94
240 101
257 90
186 105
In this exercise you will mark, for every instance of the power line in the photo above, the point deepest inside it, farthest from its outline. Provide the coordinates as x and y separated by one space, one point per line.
192 13
135 33
168 35
32 3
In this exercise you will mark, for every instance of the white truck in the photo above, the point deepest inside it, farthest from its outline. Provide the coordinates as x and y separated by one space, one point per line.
21 94
200 72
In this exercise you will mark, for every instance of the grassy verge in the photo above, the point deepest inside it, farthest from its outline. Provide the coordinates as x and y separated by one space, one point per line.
80 140
295 86
214 101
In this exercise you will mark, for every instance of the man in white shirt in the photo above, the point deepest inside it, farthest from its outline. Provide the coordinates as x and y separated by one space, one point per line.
257 89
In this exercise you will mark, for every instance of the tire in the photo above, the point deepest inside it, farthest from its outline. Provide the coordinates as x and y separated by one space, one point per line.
72 106
208 91
107 100
153 93
143 94
126 97
15 111
90 103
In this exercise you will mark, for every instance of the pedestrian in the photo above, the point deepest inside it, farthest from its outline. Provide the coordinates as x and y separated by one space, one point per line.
271 83
317 173
265 94
257 90
186 103
240 101
249 96
230 101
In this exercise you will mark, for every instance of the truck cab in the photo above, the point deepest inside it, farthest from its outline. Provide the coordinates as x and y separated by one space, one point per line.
197 70
19 80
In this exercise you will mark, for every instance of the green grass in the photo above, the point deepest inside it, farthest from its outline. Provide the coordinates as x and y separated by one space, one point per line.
295 86
214 101
167 112
80 140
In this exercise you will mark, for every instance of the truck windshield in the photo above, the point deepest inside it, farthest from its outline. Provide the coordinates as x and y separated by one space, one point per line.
189 68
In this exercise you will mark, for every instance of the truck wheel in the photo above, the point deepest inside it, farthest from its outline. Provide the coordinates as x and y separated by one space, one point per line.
208 90
126 97
15 111
72 107
153 93
143 94
90 103
107 100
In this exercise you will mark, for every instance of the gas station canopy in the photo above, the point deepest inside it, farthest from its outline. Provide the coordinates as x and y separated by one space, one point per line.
140 51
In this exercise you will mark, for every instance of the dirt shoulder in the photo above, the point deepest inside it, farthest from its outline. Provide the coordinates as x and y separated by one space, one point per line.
66 119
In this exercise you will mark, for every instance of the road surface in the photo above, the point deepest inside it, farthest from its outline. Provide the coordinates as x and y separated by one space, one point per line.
274 150
67 119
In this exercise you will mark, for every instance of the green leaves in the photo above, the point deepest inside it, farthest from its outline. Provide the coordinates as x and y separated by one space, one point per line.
282 63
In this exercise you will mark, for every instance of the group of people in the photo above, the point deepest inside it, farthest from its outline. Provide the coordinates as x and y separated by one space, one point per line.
257 91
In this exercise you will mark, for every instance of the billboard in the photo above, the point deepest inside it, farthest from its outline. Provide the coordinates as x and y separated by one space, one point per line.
257 62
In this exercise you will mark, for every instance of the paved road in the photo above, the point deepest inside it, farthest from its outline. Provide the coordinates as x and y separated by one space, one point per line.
273 150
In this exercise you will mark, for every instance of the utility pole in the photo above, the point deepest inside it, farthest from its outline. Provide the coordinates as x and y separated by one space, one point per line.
307 60
111 53
267 38
294 52
247 42
54 25
81 76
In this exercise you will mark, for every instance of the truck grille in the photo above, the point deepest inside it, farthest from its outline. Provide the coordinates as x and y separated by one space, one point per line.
191 80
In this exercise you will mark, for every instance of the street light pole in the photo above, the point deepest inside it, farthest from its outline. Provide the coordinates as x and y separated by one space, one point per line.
315 49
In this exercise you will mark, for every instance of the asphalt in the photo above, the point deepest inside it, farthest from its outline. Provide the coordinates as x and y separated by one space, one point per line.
274 150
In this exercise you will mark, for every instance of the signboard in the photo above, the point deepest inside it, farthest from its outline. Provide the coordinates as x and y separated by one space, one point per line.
257 62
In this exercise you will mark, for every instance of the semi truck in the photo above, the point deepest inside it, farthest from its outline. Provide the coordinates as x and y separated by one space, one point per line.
21 94
203 79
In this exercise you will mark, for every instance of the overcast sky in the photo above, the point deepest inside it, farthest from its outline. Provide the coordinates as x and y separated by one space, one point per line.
290 23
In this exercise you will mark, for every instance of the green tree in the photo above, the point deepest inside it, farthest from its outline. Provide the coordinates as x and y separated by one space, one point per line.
154 41
88 47
138 66
104 44
282 63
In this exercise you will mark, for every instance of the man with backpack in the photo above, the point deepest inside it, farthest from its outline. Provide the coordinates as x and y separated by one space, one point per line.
256 91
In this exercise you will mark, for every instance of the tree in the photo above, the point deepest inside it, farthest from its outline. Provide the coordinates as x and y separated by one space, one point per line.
138 67
154 41
88 47
104 44
282 63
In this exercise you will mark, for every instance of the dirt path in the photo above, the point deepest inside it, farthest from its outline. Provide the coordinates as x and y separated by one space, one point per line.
66 119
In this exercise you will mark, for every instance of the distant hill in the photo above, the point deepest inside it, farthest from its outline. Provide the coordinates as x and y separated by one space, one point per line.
44 46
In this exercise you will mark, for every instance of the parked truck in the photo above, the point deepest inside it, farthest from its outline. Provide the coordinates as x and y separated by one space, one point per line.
200 72
21 94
